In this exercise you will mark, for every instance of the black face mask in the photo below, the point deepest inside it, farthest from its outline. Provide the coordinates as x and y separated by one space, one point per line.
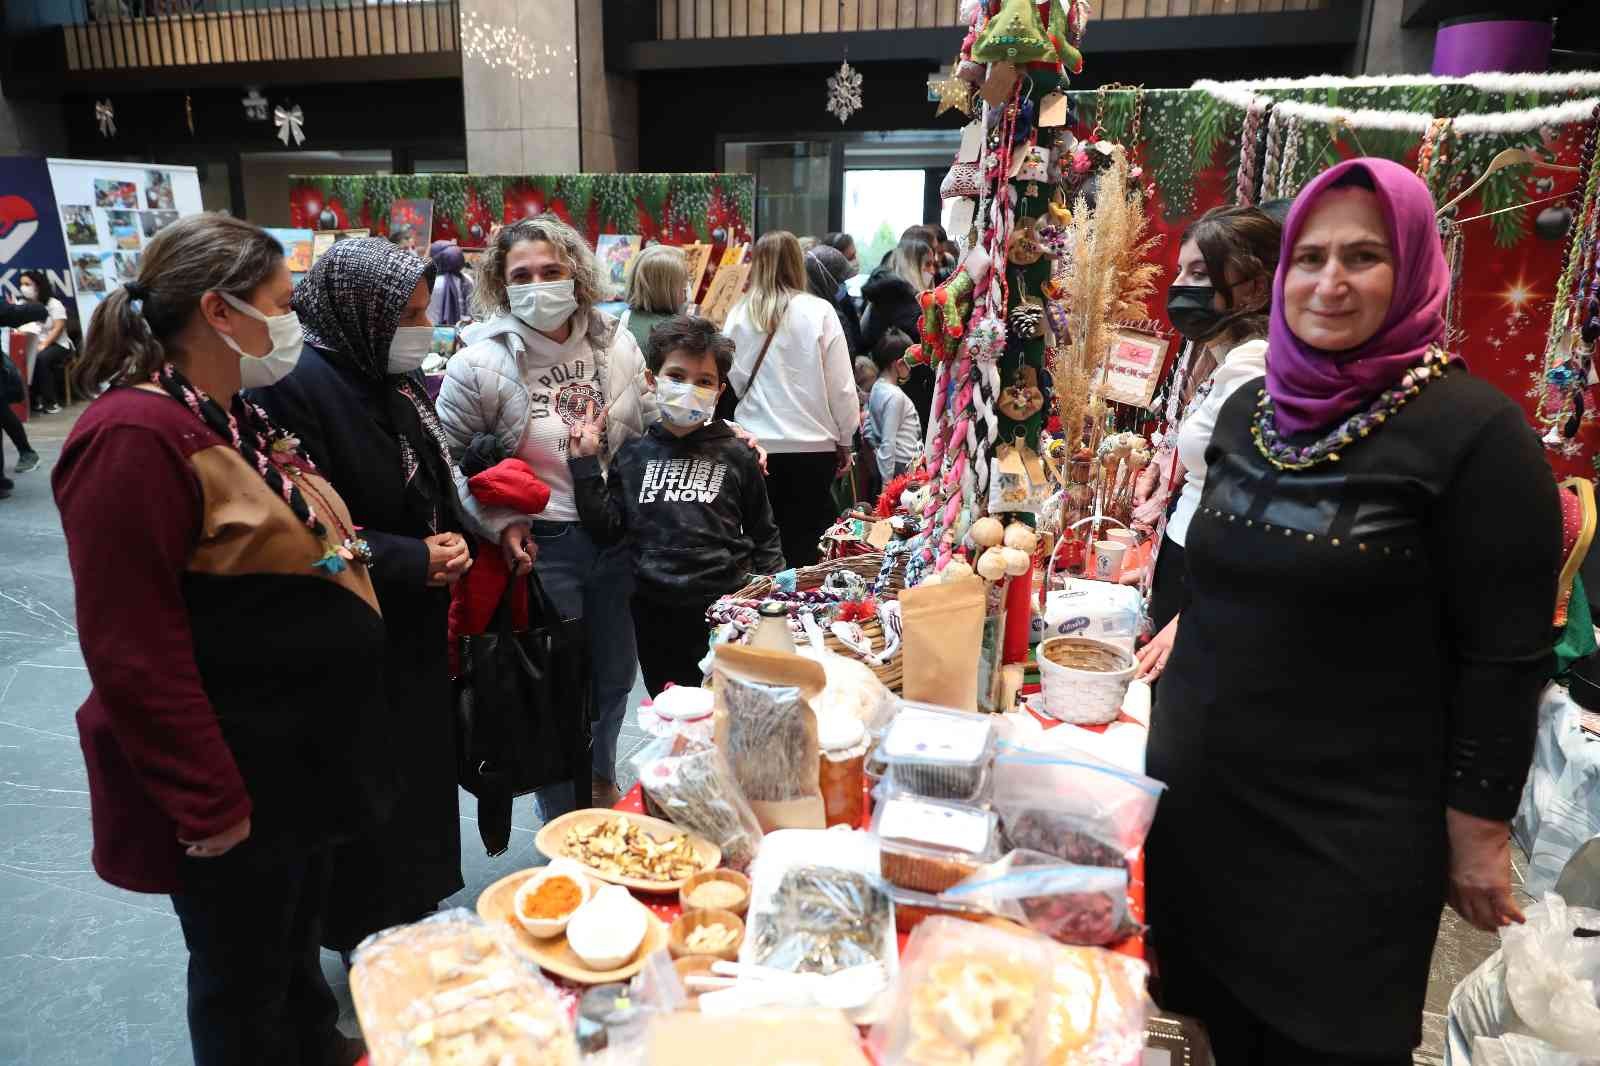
1193 311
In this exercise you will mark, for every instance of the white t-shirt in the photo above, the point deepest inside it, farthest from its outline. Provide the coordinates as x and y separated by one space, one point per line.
562 380
58 313
803 399
1245 363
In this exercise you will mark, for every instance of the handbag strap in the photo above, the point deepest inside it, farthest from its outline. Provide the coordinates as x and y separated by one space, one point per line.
762 356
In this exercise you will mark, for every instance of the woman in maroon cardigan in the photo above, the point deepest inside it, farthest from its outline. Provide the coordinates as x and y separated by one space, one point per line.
232 635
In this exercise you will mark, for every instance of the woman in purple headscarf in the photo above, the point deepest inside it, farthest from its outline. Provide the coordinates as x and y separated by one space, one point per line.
1348 713
452 289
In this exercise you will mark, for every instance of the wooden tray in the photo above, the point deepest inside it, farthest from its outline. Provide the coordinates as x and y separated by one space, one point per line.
550 838
553 953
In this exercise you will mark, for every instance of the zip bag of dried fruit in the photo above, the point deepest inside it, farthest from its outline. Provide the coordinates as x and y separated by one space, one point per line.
693 786
766 729
1072 805
1086 905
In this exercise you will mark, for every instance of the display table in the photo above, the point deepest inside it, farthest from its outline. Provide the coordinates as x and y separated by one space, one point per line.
1560 807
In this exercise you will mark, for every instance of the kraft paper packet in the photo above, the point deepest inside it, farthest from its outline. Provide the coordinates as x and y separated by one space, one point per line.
771 743
942 630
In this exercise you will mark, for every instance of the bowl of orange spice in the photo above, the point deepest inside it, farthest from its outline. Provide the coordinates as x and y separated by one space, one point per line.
547 900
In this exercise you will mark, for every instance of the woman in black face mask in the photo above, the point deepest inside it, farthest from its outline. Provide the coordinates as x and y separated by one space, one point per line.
1219 300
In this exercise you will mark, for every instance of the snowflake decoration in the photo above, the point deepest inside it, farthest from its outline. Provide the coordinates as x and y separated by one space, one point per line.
844 92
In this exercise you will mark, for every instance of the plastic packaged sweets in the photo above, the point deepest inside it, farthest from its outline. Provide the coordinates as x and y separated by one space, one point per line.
1095 1009
1072 805
693 786
450 989
928 846
971 994
938 752
1083 905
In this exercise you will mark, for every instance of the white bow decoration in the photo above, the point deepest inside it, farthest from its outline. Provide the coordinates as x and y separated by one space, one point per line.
107 117
290 124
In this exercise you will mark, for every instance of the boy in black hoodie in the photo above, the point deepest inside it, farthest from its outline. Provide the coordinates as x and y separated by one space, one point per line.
689 497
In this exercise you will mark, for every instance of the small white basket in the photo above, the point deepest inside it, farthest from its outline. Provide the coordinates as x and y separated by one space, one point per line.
1084 696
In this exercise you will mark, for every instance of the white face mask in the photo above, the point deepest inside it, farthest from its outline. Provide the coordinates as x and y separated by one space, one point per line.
543 305
685 405
260 371
30 292
409 348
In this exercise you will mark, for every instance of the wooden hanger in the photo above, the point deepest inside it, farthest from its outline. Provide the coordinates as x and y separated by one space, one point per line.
1509 158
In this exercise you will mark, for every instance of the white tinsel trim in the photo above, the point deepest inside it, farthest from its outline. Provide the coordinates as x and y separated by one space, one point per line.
1577 81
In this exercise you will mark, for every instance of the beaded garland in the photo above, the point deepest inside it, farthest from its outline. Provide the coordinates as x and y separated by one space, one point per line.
1285 456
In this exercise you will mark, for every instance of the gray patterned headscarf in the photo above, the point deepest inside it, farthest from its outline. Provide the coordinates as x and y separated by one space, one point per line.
350 305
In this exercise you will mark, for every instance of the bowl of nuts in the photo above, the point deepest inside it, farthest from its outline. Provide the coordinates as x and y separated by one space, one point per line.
713 932
625 849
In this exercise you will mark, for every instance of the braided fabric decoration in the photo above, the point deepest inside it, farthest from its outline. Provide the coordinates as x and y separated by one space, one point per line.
1588 295
1564 308
1272 160
1244 187
1294 136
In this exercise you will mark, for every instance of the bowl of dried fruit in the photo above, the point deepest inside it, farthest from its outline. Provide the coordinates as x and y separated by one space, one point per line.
713 932
727 890
631 850
545 902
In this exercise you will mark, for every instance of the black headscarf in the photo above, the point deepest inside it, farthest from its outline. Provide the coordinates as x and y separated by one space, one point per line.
350 306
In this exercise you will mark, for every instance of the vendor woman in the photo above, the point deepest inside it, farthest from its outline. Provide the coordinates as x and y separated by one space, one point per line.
1347 716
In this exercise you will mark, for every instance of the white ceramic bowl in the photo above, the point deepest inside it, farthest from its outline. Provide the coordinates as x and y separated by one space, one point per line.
608 929
544 928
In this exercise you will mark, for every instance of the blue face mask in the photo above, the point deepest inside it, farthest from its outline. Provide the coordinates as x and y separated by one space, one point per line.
685 405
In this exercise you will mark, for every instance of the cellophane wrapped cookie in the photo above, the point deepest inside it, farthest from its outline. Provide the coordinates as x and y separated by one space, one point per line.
451 991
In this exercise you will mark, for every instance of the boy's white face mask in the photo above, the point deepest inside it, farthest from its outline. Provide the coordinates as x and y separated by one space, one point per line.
685 405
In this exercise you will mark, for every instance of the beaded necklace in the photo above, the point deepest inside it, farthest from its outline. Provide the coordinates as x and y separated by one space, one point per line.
1285 456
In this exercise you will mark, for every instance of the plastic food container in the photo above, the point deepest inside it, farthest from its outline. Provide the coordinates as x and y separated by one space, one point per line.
929 846
842 771
938 752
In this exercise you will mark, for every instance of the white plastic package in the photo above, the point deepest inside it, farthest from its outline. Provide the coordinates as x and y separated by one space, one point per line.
1552 974
1098 609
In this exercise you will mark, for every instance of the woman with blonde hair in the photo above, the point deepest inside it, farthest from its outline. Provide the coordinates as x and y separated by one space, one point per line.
792 373
540 358
657 280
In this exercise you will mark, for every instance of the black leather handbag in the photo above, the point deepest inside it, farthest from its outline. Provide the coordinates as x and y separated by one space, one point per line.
11 390
522 709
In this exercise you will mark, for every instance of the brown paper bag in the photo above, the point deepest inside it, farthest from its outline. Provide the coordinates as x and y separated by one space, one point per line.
942 630
767 730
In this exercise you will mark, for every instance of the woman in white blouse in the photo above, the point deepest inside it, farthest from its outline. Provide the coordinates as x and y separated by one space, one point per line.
796 389
1219 300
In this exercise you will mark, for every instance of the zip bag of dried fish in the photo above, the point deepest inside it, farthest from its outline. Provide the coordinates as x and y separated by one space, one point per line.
1072 805
766 729
1085 905
692 784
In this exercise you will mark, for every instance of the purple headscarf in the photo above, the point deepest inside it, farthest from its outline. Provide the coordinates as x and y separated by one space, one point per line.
1311 388
451 289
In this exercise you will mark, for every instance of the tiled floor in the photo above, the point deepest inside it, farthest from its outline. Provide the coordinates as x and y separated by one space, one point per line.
93 975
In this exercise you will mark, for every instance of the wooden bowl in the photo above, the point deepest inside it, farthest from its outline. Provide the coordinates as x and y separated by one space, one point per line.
731 877
693 966
551 842
678 934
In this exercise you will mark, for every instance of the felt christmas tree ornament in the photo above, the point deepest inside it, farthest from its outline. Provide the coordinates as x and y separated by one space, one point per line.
1014 35
1061 37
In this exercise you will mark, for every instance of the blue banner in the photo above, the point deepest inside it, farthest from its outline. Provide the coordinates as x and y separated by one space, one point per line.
30 229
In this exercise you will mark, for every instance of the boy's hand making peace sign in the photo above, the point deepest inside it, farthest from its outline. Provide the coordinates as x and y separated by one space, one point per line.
583 439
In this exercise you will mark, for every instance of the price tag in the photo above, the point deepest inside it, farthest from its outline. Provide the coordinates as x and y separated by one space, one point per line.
962 210
971 143
1053 111
1002 79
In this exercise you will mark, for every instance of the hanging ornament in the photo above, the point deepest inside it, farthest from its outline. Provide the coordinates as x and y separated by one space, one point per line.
188 112
1553 222
1061 37
844 92
954 93
106 115
290 123
255 105
1015 35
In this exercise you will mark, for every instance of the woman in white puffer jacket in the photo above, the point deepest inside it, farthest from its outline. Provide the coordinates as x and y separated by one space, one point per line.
528 374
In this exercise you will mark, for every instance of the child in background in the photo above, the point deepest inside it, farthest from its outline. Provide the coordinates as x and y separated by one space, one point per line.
893 429
688 496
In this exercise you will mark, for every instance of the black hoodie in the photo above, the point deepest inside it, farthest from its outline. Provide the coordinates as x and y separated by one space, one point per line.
694 510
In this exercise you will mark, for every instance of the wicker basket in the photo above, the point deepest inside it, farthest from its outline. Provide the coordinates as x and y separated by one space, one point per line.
812 577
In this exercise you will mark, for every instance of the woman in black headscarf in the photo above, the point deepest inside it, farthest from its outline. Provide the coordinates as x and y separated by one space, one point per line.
357 404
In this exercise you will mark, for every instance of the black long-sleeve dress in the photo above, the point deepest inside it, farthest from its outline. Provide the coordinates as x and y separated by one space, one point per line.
405 869
1364 646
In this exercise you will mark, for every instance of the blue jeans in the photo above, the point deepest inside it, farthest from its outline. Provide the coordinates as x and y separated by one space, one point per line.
596 584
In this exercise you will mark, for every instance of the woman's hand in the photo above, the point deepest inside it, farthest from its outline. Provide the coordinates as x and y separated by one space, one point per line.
749 439
583 439
843 459
448 558
1480 871
519 548
1153 656
219 845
